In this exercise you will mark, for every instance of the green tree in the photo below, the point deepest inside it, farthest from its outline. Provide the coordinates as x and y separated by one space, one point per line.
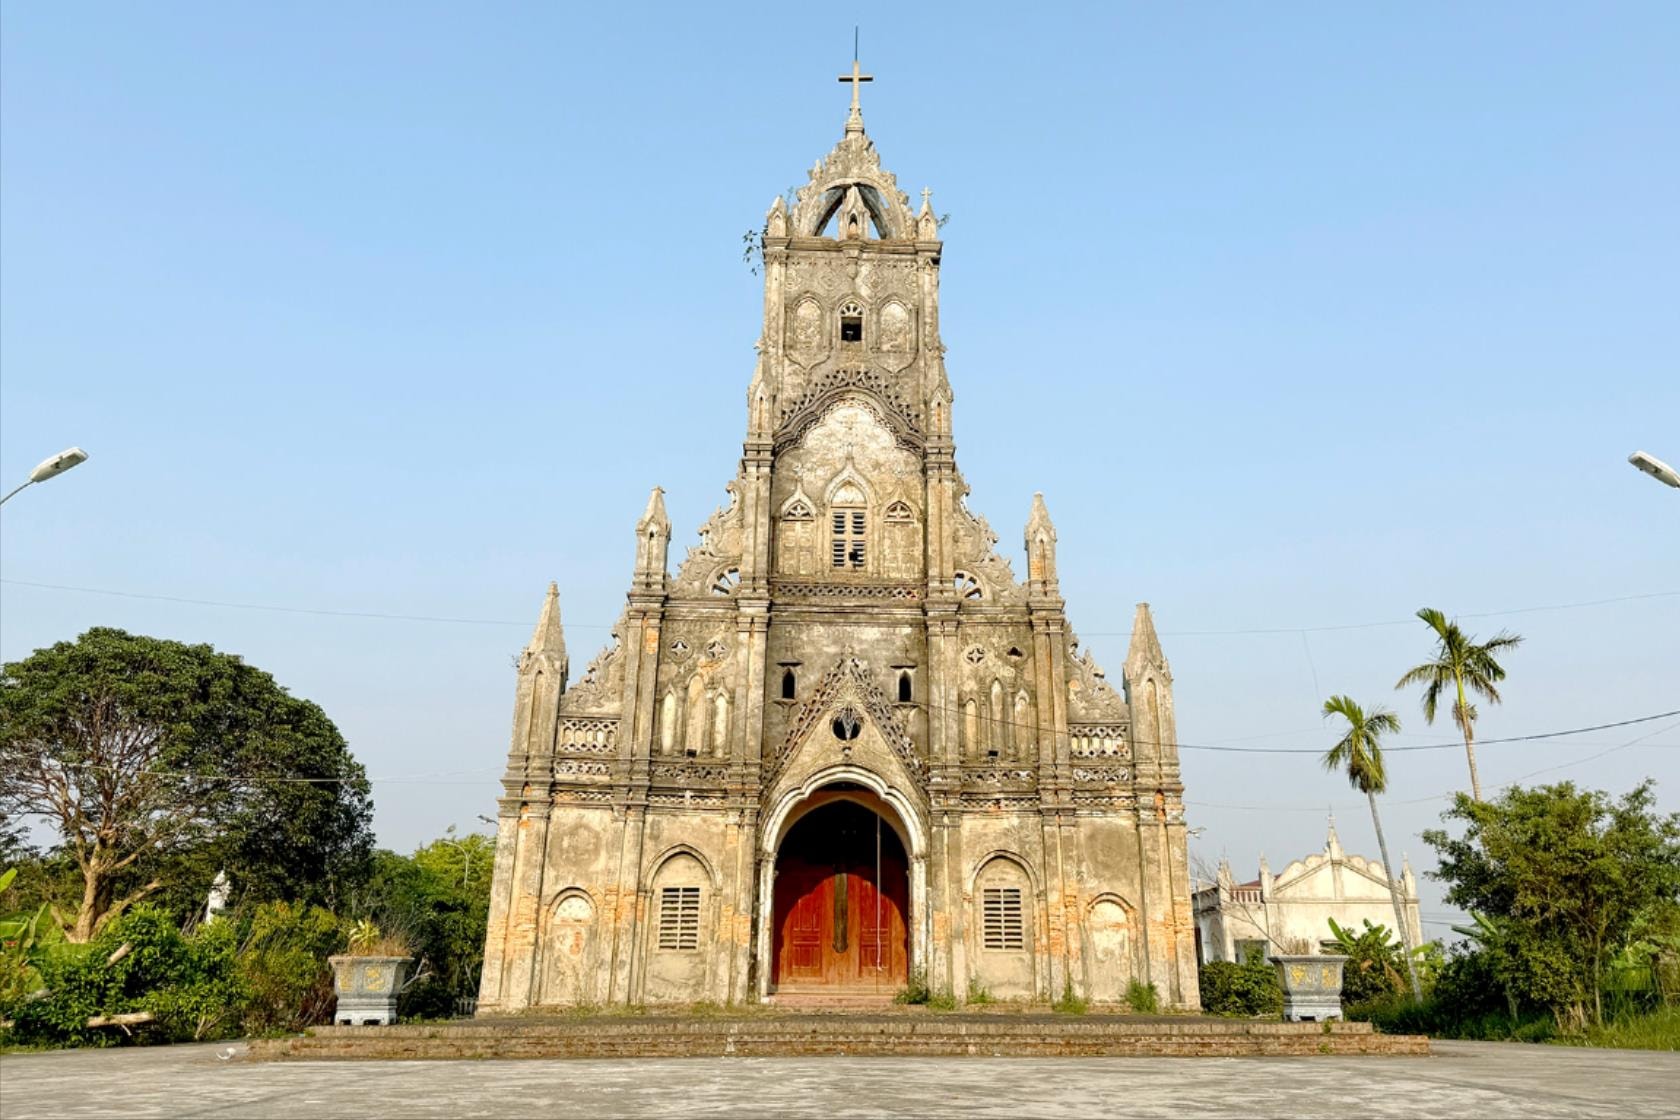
437 900
1464 665
159 762
1562 881
1358 754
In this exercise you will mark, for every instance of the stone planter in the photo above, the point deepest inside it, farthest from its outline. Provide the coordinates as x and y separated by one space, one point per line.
367 989
1312 986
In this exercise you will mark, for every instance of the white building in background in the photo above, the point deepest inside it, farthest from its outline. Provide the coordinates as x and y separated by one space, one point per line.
1271 912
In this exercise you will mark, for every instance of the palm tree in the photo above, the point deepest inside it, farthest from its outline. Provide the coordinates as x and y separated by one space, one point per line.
1460 662
1358 754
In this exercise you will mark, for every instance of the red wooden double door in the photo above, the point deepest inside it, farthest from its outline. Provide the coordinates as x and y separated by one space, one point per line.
842 896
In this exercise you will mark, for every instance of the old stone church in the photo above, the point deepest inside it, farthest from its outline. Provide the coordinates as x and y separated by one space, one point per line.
843 745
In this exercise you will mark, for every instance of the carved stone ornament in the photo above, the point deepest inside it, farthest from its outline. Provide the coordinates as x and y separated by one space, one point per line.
848 686
602 688
854 164
708 564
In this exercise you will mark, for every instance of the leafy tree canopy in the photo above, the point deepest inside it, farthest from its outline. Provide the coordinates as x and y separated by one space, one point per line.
160 763
1562 880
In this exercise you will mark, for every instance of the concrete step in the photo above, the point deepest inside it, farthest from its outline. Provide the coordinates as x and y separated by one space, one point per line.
769 1034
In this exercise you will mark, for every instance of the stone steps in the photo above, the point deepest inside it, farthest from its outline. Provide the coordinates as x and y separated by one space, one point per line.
795 1035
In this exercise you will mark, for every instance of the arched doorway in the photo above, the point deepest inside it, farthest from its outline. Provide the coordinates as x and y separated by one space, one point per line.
840 919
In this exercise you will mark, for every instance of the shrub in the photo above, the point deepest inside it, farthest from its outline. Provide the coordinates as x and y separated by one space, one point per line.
284 964
915 990
1143 998
1250 988
978 993
1069 1003
140 962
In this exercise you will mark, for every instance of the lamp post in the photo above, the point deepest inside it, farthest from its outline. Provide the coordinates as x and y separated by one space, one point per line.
1656 468
50 468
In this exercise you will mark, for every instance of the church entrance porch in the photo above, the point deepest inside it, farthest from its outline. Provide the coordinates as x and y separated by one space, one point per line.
840 919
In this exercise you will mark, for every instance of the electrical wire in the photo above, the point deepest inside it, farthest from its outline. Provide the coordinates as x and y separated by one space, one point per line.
448 777
386 616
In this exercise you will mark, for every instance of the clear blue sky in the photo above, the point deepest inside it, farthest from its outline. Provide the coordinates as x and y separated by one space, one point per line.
1300 316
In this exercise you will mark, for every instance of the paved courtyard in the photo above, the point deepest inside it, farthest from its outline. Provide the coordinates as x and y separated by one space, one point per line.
1461 1080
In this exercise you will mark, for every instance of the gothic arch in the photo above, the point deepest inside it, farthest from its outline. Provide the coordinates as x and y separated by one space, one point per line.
1008 856
905 818
849 475
568 949
1113 943
657 864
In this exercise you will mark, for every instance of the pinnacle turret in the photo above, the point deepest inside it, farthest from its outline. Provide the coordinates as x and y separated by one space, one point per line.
653 542
1145 649
1041 549
549 638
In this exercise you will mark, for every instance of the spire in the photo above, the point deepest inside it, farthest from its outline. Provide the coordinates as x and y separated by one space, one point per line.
548 638
1041 549
545 654
1332 842
1145 649
654 516
653 542
776 221
927 225
1226 879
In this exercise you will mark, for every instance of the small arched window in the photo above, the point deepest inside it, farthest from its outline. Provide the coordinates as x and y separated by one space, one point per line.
847 545
851 321
904 690
790 685
899 514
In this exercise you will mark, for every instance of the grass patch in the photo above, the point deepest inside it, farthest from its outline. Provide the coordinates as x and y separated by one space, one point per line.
1069 1003
1658 1030
1143 998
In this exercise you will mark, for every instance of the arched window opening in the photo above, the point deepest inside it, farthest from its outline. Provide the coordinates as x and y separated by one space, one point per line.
847 545
851 321
904 694
847 724
966 586
899 513
790 685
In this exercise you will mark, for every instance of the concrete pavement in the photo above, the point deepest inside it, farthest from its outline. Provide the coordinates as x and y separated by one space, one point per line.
1460 1080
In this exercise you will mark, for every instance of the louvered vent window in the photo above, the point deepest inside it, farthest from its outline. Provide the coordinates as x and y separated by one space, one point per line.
1000 919
679 918
847 543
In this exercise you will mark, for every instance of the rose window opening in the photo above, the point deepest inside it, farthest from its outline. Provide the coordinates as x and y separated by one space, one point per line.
727 582
847 725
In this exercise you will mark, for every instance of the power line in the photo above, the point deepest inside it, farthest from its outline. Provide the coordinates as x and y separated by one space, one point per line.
392 616
451 777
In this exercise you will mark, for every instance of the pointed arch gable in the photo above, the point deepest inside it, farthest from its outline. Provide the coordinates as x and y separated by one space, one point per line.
1006 855
849 682
658 862
849 476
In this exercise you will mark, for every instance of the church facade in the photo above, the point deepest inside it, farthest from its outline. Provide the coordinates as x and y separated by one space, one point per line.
843 746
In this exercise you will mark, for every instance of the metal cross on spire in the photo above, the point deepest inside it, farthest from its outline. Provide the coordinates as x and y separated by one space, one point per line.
854 122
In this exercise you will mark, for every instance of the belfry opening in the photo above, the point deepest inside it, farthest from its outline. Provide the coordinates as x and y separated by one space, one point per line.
841 914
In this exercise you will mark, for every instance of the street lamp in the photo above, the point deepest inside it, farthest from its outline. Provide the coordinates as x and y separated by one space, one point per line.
51 468
1656 468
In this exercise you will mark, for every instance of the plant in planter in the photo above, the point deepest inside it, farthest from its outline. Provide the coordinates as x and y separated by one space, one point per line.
1311 982
369 978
